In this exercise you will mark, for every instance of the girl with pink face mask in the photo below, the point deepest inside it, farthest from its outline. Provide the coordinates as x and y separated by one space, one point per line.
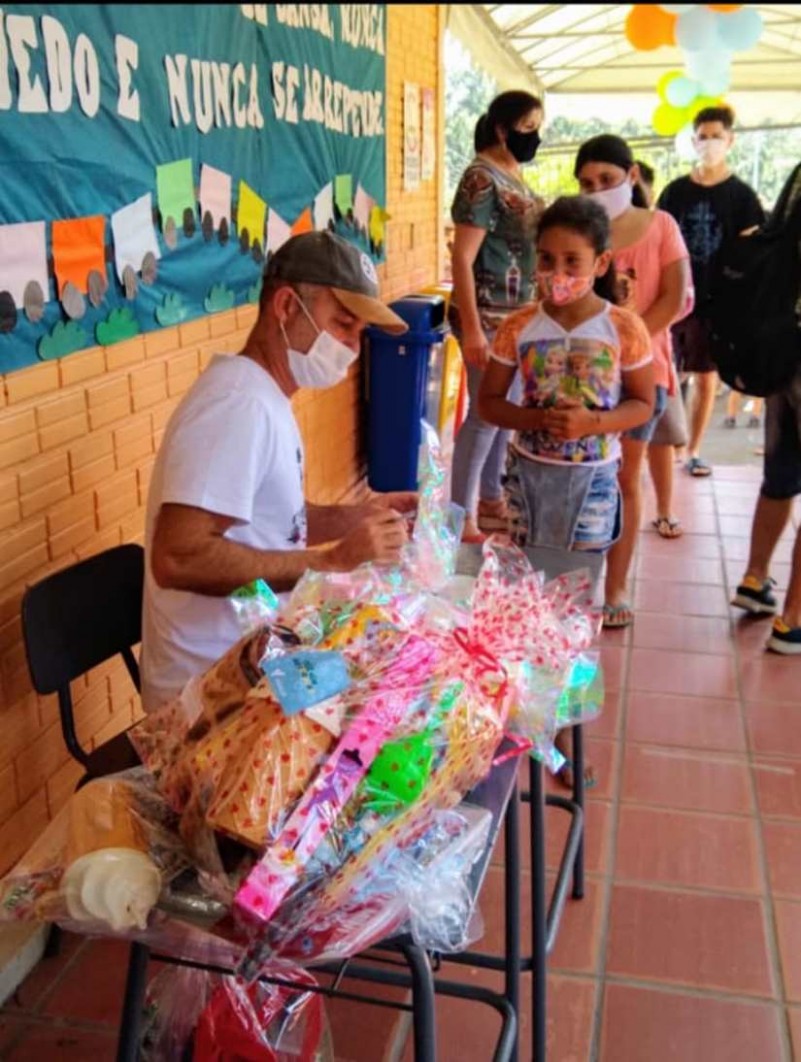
652 260
587 375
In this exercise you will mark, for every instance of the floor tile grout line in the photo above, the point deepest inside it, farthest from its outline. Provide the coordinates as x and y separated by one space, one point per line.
768 905
720 995
606 900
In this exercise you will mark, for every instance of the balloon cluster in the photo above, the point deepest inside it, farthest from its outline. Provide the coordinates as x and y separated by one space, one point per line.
708 35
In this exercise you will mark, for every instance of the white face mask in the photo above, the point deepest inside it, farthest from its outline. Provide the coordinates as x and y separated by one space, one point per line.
615 201
711 152
324 364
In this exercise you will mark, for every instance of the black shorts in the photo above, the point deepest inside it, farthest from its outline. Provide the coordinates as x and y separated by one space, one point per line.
692 345
782 477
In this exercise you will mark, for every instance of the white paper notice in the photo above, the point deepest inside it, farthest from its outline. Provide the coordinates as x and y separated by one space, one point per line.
23 257
278 232
134 234
323 210
215 195
362 205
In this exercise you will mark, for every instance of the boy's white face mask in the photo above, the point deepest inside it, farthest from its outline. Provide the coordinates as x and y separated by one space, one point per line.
324 364
711 152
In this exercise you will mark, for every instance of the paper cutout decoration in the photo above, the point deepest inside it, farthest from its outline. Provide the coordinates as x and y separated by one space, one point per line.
411 136
304 223
215 195
119 325
324 207
343 193
33 301
219 298
8 313
429 146
175 191
362 206
78 248
250 213
378 216
278 232
172 311
66 338
23 258
134 235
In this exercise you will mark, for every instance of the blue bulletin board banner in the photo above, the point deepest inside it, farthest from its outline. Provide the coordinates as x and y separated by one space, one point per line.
153 156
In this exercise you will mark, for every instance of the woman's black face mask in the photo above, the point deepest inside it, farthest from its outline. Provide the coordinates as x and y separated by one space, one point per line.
523 145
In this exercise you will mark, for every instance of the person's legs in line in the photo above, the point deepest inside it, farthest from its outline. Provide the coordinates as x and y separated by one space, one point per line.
660 463
733 403
706 384
493 513
781 483
617 609
473 444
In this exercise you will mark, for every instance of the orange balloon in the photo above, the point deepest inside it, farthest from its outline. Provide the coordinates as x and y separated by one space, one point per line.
724 7
649 27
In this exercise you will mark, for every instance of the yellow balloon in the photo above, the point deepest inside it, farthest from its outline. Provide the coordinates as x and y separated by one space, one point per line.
664 81
668 119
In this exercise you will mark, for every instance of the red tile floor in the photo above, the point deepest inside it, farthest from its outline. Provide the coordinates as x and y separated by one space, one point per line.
688 944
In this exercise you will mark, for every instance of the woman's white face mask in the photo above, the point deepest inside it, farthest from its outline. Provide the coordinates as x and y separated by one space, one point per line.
615 201
324 364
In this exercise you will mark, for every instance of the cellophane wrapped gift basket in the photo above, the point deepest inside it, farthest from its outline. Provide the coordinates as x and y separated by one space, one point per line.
308 795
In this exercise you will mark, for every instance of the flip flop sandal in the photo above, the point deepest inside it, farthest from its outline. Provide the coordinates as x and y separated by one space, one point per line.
615 616
667 528
696 466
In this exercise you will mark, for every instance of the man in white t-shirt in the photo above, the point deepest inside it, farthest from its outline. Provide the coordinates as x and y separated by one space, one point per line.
226 503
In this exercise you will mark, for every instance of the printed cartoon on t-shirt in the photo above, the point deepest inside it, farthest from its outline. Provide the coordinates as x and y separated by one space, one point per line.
299 530
562 373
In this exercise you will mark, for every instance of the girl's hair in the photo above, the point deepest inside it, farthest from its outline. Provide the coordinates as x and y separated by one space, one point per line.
588 219
505 110
613 150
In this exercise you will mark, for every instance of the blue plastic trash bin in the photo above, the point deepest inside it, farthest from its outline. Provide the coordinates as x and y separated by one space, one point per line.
399 394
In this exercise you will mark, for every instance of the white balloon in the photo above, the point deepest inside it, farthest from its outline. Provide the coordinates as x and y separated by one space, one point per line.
676 9
715 83
740 30
697 30
681 92
684 143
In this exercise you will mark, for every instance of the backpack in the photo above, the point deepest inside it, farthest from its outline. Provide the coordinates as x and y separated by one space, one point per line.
755 298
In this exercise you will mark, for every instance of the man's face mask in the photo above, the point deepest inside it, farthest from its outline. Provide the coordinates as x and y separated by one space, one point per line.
325 363
711 152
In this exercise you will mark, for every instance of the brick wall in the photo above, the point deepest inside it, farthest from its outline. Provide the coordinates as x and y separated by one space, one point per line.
78 438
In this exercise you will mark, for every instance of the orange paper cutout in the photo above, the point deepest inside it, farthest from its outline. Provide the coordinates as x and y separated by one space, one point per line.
304 223
78 248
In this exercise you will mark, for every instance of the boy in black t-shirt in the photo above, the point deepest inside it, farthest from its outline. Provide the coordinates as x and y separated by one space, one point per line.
710 204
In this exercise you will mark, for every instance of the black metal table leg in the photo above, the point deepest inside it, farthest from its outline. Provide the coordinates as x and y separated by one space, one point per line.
578 798
423 1013
135 985
512 878
539 992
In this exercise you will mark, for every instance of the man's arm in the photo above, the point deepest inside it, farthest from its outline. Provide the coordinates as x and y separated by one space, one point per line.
190 552
329 523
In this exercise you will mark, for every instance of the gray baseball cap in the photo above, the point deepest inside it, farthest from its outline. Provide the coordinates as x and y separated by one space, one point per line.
331 261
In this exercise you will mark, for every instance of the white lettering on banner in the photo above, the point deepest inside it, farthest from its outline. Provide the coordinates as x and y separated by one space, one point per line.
257 12
127 55
87 75
329 103
5 82
217 93
221 75
363 26
306 16
59 63
21 31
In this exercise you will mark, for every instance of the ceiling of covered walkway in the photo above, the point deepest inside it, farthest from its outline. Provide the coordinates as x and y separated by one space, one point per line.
582 48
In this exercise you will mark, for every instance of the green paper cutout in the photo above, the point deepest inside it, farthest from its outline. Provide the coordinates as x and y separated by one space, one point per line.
254 291
175 190
343 193
172 312
120 324
218 299
66 338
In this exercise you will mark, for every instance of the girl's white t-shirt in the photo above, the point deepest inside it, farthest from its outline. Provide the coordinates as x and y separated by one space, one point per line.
231 447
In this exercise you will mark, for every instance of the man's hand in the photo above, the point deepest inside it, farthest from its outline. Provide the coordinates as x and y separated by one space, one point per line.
565 424
379 538
402 501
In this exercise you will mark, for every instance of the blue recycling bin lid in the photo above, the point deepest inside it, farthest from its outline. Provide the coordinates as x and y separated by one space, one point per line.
425 316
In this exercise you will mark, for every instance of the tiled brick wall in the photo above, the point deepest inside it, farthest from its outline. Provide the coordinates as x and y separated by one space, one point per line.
78 439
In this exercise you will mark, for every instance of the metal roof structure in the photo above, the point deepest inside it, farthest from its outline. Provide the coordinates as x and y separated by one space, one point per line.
582 48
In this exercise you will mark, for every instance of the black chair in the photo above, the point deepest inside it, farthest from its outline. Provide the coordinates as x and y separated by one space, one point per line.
77 619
